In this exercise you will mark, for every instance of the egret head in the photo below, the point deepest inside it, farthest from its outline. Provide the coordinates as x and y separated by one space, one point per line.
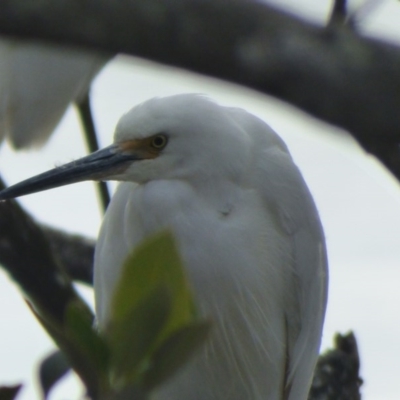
178 137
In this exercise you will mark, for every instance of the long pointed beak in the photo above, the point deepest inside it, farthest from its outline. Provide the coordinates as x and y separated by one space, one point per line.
97 166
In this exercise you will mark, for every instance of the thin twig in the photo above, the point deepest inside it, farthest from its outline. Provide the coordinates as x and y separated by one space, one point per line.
86 118
338 13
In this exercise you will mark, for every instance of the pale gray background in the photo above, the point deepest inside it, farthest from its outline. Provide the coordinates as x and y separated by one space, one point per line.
358 201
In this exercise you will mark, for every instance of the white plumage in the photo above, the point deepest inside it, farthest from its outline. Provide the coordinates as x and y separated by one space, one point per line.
246 227
250 238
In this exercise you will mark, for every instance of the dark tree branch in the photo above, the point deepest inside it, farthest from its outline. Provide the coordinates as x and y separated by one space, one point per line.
26 256
331 73
74 252
39 257
339 13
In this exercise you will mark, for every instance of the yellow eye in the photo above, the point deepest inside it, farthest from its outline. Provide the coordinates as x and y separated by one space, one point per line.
159 142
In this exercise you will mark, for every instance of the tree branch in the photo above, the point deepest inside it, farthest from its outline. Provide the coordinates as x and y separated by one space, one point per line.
86 117
74 252
331 73
339 13
26 256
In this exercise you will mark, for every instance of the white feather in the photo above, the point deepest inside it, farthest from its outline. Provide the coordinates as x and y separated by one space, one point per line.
250 237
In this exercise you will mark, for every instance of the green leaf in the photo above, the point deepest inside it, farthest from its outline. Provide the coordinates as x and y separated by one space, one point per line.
154 263
51 370
79 327
130 392
132 338
175 352
82 346
152 316
9 392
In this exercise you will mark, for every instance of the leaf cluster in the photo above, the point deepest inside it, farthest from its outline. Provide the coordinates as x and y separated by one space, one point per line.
152 330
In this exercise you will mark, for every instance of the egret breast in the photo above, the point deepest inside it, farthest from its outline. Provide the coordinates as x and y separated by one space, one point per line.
235 262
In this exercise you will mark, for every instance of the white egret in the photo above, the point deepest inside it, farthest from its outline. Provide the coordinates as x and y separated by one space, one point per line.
247 229
37 84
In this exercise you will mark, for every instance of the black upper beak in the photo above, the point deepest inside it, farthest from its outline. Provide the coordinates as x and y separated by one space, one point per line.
97 166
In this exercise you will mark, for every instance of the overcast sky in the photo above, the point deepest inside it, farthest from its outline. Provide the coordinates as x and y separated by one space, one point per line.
358 201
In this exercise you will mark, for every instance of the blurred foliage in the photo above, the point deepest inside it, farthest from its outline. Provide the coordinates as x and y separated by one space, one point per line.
337 373
9 392
51 370
152 330
152 283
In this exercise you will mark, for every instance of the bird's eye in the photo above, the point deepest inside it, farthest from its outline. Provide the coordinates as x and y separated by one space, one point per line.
159 141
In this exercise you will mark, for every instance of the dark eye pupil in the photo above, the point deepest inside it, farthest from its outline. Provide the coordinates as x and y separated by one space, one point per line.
158 141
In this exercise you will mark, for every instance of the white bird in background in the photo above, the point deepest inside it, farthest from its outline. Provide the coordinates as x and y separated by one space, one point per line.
37 84
246 227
